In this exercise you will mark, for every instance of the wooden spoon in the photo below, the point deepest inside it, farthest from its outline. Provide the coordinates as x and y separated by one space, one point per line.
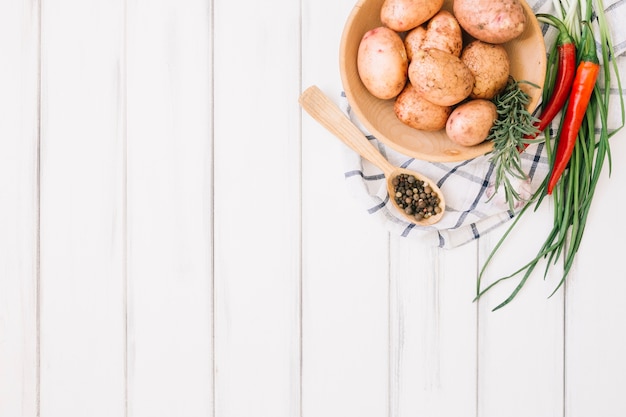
322 109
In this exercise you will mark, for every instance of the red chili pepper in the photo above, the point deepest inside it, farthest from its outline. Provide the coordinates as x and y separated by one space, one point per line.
566 71
584 84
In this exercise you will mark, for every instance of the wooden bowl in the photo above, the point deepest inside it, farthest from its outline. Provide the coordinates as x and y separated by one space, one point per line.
527 54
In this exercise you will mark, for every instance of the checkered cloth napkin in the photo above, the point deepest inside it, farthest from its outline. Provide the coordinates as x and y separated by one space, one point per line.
467 185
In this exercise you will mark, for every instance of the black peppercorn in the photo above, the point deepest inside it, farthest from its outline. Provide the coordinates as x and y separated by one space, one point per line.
416 197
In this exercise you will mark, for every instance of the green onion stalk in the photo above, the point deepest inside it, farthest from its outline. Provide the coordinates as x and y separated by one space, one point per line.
573 194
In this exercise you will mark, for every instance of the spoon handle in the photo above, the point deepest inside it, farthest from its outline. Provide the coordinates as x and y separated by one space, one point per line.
322 109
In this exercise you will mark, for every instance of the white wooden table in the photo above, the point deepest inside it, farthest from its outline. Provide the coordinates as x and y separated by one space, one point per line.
167 245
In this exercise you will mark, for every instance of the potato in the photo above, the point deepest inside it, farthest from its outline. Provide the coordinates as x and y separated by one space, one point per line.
440 77
414 40
382 62
444 32
490 65
419 113
492 21
469 124
404 15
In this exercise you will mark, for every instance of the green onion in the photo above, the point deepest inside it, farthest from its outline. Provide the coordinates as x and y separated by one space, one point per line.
573 195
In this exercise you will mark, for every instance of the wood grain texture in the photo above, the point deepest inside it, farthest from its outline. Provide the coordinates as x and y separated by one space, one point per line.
433 331
523 341
19 208
169 135
257 208
82 210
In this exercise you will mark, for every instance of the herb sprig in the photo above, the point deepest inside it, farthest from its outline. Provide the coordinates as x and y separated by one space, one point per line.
509 135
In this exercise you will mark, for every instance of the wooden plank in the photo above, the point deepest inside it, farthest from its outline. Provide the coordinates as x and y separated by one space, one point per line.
345 253
595 311
82 209
520 347
433 330
19 207
170 362
257 208
345 292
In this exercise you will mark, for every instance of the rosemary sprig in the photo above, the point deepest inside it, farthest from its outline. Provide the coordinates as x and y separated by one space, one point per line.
508 134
